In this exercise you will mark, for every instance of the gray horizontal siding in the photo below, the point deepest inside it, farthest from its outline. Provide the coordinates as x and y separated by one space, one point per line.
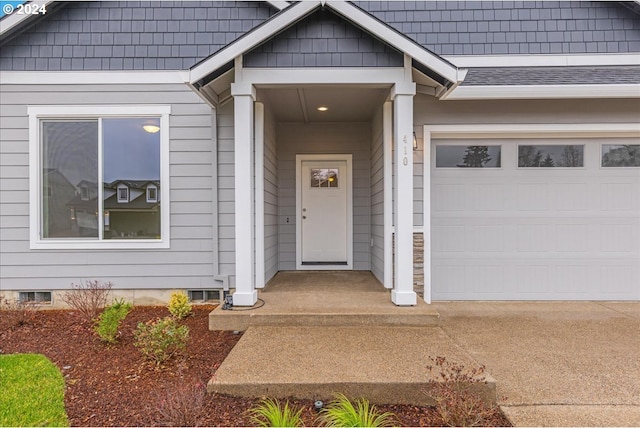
552 76
377 196
270 197
131 35
189 260
508 27
323 40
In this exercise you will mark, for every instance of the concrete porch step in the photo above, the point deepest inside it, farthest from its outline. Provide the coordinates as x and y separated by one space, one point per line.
329 314
324 299
384 364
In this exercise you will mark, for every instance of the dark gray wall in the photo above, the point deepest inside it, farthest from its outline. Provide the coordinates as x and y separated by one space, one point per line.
512 27
131 35
135 35
323 40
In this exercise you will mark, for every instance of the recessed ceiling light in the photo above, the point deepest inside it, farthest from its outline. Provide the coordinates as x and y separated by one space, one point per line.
323 108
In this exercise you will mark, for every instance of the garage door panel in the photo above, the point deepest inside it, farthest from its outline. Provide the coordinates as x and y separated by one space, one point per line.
618 238
571 196
536 233
619 196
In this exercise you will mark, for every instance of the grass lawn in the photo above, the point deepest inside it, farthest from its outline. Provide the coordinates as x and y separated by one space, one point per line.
32 392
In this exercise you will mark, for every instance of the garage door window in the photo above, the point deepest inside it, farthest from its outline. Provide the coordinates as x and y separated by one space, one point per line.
458 156
617 156
551 156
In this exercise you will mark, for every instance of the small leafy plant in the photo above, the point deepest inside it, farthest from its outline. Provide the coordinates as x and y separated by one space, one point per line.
179 305
161 339
110 319
271 413
455 401
341 412
88 298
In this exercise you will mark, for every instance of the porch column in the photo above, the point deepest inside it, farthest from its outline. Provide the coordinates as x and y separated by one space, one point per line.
402 96
243 98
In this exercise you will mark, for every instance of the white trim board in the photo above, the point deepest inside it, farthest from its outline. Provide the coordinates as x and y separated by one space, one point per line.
478 61
543 92
558 130
93 77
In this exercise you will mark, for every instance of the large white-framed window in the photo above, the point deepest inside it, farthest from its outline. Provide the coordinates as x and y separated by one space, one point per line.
90 156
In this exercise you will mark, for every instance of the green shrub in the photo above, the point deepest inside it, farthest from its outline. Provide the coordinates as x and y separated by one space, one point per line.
32 392
271 413
161 339
341 412
179 305
110 319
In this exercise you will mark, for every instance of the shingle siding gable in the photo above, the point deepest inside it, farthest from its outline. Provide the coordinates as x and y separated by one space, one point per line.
123 35
323 40
508 27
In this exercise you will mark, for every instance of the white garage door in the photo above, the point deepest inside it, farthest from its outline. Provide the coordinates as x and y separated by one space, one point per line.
535 219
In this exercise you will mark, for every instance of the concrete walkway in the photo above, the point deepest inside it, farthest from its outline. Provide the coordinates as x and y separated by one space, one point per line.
555 363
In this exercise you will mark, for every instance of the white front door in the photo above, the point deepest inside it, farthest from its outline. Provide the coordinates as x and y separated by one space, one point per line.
324 212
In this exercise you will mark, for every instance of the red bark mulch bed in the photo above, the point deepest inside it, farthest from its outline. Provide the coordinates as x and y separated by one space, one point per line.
114 386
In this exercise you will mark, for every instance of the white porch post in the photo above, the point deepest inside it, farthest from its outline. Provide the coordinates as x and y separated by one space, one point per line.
259 195
387 119
402 293
243 98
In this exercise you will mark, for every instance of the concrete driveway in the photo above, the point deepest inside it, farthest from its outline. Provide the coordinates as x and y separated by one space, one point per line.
555 363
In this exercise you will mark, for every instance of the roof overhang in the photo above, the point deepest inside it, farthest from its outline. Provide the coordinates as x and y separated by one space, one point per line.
504 92
218 66
11 24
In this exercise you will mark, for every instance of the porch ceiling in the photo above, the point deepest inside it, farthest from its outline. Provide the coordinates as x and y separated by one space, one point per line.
345 104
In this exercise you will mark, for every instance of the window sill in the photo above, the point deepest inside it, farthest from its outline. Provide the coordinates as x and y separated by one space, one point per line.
119 244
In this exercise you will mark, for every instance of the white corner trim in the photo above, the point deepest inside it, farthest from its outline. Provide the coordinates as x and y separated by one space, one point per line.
426 215
543 92
252 39
395 39
10 21
543 60
93 77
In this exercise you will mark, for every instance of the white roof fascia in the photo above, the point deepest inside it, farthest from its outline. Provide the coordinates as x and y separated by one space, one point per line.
252 39
543 92
479 61
398 41
279 4
10 21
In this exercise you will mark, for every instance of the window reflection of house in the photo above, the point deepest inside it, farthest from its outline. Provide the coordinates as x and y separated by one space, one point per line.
82 210
131 209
